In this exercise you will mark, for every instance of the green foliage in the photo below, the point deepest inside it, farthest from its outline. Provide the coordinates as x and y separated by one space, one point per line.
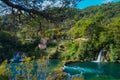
38 53
114 53
7 39
8 44
79 30
5 74
76 50
101 30
87 27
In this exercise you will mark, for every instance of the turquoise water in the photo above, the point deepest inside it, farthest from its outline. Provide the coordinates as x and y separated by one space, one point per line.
38 69
94 71
88 70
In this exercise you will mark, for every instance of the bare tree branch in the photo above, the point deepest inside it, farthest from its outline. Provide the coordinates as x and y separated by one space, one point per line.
41 13
39 7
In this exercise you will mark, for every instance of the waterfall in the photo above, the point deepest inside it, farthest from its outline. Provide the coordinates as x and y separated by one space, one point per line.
15 58
99 57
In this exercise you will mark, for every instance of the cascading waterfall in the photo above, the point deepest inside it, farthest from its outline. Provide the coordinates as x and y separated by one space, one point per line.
99 57
16 57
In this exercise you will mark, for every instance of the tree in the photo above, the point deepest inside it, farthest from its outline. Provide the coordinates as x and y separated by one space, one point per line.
8 44
41 7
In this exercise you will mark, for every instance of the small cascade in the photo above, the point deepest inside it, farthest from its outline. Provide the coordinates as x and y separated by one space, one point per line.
18 57
15 58
105 59
99 57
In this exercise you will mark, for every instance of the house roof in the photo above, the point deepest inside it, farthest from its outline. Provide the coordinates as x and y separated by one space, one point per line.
42 44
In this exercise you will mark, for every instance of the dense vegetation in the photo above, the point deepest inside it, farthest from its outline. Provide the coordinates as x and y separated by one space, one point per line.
77 38
98 24
100 27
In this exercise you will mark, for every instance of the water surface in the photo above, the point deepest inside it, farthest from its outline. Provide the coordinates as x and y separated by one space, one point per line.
93 71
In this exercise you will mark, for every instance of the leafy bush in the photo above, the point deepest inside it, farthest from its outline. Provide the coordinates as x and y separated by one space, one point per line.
114 54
